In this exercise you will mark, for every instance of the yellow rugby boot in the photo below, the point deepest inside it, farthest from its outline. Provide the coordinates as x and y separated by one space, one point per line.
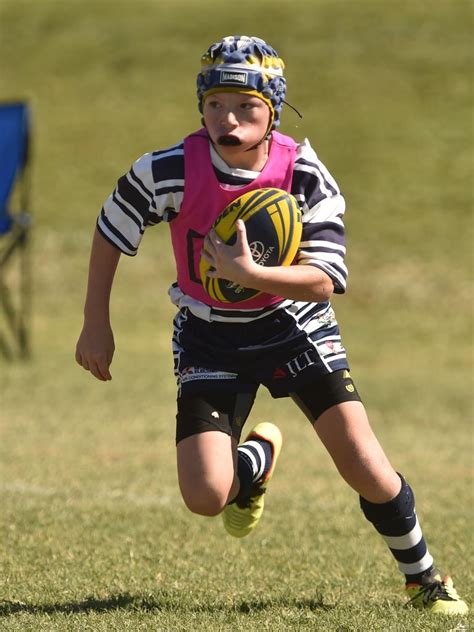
241 517
436 594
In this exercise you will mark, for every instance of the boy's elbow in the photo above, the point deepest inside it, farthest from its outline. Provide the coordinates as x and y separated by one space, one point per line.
322 288
323 291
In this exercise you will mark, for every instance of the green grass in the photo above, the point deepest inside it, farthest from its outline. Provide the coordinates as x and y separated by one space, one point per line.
94 533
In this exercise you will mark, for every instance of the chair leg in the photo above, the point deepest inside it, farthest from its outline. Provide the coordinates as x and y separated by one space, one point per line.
7 305
4 349
25 298
17 315
9 312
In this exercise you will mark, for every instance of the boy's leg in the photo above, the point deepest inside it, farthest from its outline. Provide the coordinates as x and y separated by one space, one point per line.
386 498
214 472
345 432
206 472
207 433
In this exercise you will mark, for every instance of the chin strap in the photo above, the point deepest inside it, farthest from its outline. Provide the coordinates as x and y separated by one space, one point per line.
268 134
293 108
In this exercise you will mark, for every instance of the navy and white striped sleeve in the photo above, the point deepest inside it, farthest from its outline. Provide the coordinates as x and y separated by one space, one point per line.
151 192
323 207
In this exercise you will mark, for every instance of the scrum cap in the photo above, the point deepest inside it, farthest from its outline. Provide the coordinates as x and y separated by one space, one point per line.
243 64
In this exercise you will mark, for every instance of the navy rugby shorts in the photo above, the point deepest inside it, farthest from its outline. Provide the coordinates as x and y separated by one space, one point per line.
219 366
284 351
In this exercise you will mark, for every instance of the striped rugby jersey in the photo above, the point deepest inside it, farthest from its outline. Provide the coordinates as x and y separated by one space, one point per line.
152 192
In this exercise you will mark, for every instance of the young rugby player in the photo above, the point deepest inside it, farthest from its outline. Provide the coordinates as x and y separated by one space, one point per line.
286 338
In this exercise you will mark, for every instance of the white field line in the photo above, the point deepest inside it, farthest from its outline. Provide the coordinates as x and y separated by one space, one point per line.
27 489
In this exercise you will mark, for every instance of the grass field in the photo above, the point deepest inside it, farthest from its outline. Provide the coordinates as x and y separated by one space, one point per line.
94 535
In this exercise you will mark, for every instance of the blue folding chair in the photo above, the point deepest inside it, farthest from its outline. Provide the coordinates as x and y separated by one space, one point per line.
15 224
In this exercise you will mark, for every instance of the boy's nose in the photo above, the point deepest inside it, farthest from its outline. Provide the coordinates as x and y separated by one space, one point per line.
230 118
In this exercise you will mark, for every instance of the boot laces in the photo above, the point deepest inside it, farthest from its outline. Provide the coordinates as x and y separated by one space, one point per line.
433 591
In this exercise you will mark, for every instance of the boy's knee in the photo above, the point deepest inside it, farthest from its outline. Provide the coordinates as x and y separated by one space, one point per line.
205 502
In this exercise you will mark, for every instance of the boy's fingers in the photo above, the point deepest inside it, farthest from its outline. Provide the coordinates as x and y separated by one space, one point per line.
209 241
101 369
241 231
240 225
96 372
215 237
207 257
82 362
104 371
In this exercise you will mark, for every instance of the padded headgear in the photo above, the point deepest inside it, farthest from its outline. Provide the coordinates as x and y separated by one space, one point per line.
239 63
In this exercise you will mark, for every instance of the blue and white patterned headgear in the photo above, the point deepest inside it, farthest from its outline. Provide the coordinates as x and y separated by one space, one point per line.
239 63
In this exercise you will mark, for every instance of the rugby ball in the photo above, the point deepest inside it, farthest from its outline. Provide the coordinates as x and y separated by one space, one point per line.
273 223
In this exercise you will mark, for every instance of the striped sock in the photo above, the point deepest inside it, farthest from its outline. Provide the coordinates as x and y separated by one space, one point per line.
397 523
254 462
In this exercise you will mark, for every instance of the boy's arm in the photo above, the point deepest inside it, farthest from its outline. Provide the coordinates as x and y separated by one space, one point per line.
95 347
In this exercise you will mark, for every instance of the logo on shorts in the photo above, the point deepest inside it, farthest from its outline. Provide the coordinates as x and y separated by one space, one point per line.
350 388
233 77
279 373
301 362
191 373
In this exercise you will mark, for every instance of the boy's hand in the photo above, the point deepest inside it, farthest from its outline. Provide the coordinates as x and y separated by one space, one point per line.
95 349
234 263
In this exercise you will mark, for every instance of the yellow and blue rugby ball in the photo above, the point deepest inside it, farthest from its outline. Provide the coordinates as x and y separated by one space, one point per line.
273 223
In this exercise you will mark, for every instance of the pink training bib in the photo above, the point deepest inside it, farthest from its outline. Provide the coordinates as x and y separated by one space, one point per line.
205 198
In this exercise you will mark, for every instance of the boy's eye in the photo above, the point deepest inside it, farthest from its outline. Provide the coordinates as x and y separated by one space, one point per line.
212 103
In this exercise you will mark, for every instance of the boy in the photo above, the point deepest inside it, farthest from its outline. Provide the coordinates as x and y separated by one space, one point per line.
287 338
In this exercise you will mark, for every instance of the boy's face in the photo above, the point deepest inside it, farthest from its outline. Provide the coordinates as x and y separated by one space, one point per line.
235 121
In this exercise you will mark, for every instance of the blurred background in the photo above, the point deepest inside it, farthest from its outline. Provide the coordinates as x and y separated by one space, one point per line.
385 90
